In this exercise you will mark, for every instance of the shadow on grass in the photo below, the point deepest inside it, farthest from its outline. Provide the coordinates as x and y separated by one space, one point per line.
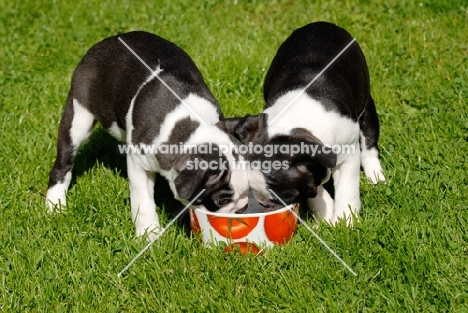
102 148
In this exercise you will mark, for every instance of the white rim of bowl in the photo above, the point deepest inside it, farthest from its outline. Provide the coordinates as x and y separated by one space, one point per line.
236 215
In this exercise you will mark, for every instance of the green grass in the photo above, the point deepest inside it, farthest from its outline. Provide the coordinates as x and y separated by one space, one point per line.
409 248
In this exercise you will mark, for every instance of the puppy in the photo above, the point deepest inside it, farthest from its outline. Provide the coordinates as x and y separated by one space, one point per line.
170 131
334 123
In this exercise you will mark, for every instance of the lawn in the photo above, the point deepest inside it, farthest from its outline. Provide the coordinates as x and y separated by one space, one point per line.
409 249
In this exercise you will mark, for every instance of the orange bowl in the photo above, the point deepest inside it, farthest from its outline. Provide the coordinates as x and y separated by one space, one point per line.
262 229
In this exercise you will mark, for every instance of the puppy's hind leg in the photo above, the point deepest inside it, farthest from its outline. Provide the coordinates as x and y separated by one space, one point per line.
369 138
75 127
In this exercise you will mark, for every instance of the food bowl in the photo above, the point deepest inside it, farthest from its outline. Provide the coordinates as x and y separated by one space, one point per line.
250 232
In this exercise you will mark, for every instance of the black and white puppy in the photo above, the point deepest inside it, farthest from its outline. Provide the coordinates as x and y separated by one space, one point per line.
112 86
335 117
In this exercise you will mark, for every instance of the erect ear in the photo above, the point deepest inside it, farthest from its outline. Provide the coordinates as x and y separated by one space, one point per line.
252 128
190 177
228 125
326 157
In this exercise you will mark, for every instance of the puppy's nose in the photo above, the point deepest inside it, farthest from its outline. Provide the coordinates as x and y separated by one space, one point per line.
242 210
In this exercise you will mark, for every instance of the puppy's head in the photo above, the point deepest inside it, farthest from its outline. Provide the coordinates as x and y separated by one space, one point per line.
291 165
226 187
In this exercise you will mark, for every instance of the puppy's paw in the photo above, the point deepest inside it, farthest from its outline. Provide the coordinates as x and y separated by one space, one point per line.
376 176
151 232
56 200
348 218
322 205
374 171
371 164
155 234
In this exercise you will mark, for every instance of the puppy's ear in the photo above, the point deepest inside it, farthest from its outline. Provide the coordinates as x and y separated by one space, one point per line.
302 133
252 128
312 173
189 178
228 125
328 159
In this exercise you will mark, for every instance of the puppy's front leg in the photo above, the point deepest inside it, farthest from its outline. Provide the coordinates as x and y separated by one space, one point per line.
322 205
141 197
346 180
